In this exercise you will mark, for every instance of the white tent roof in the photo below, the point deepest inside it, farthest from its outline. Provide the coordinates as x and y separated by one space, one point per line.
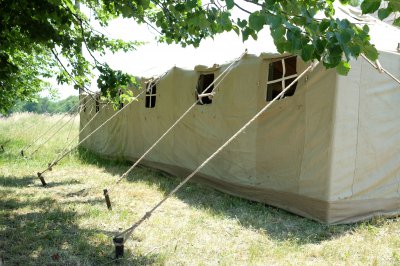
385 36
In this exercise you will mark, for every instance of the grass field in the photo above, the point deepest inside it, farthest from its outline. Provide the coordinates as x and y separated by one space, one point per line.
67 222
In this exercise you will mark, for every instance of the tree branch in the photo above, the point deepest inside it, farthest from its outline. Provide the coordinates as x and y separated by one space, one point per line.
89 92
241 8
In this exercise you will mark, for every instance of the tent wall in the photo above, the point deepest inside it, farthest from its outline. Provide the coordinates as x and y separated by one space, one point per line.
365 172
310 153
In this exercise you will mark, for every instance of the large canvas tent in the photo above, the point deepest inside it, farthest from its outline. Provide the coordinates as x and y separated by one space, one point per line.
329 150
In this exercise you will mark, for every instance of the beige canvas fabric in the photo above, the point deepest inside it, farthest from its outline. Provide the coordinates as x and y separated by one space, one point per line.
330 152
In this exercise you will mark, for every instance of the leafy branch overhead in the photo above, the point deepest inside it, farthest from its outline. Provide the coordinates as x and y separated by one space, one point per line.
42 39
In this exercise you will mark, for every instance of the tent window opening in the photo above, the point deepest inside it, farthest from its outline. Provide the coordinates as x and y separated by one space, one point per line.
121 104
97 104
281 74
151 95
205 86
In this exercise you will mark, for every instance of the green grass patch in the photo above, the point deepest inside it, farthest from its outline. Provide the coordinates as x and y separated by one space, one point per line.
68 223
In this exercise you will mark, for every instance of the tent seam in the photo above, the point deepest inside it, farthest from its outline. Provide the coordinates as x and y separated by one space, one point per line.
358 132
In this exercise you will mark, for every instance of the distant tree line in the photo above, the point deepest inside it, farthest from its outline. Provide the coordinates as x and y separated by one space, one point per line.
46 105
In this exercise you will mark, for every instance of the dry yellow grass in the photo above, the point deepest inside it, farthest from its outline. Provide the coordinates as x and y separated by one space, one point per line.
67 223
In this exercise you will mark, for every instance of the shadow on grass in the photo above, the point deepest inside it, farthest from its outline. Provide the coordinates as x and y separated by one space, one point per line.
40 232
30 180
276 223
10 181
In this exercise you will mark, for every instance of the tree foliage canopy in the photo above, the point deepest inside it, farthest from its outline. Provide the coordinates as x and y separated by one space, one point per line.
44 105
40 39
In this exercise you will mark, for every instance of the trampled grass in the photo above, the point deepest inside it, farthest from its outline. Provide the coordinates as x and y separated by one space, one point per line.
67 223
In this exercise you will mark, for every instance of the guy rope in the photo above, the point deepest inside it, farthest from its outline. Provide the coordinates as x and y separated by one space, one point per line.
25 148
80 131
55 162
220 78
122 237
379 67
72 118
50 166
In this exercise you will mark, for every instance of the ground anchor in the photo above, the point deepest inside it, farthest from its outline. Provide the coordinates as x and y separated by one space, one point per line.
119 247
42 179
107 199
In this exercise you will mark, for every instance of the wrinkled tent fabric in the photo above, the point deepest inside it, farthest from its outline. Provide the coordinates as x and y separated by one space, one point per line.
330 152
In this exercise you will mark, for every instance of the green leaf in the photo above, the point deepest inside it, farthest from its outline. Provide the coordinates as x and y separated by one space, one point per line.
278 33
343 36
333 55
307 52
366 28
343 24
395 5
281 46
371 52
236 29
370 6
246 33
241 23
274 20
384 13
230 4
180 7
343 68
355 50
396 22
191 3
320 45
324 24
256 21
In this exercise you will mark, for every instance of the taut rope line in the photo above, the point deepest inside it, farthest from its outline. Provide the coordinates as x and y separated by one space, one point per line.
76 136
50 166
380 68
121 238
26 147
80 108
52 135
40 174
223 75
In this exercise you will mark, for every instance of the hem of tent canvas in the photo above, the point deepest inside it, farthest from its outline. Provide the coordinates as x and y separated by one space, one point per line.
328 212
